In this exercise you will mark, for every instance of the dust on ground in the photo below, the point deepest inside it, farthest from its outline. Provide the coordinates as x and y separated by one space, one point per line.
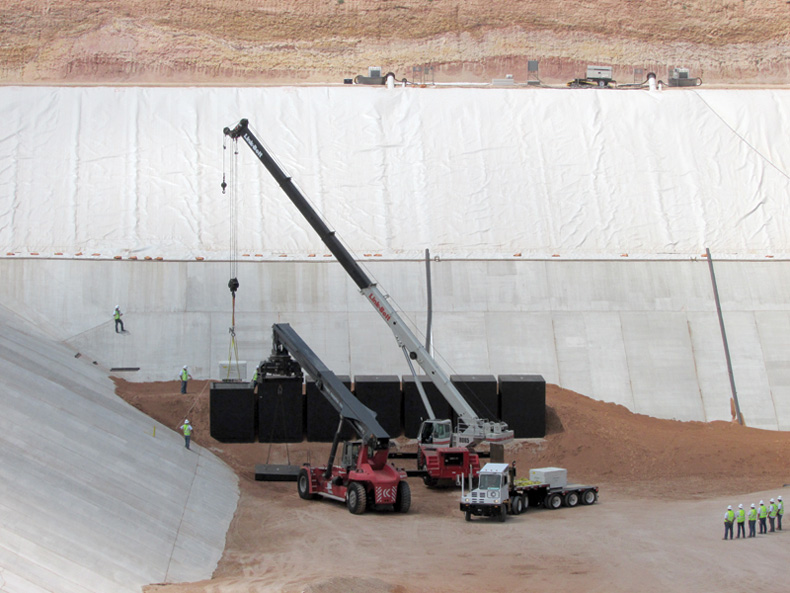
664 487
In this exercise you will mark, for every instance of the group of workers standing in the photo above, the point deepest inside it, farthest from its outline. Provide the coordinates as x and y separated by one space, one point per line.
770 514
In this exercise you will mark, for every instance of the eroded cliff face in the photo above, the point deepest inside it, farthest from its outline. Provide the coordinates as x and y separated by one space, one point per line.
259 41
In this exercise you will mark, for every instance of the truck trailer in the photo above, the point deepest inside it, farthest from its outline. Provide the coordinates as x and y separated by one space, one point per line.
499 493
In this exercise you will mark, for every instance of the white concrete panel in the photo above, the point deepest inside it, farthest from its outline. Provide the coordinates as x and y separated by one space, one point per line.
711 364
609 372
773 329
629 286
749 368
523 341
570 337
661 364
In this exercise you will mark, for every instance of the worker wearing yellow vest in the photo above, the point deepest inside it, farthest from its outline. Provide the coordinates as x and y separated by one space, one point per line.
752 521
762 513
772 515
729 517
186 427
780 510
185 376
740 519
118 321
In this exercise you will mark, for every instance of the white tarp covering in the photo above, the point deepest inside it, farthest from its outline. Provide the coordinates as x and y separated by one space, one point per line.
465 172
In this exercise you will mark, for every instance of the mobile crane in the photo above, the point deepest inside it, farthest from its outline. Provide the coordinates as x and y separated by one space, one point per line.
363 478
445 455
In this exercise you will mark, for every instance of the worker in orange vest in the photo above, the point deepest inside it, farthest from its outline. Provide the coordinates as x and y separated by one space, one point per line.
729 517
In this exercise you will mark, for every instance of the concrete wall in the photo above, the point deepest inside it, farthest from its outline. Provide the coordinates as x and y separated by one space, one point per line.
644 334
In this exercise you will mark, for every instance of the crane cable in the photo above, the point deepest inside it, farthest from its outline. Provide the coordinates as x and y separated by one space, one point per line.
233 283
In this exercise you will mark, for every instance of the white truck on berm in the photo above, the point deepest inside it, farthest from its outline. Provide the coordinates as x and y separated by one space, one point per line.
499 492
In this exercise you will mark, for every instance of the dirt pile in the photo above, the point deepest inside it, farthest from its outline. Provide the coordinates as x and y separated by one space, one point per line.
596 441
278 41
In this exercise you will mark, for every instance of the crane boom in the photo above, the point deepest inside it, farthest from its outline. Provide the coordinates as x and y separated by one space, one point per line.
472 429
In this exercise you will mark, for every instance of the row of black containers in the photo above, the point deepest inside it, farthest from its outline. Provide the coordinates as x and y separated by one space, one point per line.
286 410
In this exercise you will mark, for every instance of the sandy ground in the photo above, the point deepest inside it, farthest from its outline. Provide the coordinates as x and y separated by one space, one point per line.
657 526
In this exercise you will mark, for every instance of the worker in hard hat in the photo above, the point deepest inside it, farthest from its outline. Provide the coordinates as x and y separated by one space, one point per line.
116 314
780 510
740 520
729 517
186 427
185 376
762 514
772 514
752 521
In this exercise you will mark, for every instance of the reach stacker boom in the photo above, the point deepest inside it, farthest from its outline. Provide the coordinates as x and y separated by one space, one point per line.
363 478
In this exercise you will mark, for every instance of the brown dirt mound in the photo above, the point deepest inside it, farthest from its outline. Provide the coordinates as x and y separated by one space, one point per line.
596 441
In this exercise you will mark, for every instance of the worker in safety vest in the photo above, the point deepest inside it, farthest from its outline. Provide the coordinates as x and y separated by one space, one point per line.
729 517
740 519
752 521
118 321
762 513
255 376
772 515
780 510
185 376
186 427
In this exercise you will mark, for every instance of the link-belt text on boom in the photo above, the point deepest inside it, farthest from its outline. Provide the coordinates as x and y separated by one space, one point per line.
380 307
254 146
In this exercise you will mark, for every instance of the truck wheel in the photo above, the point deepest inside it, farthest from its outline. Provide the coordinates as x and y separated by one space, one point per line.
468 515
553 501
403 498
517 504
589 497
303 485
502 513
571 499
429 481
356 499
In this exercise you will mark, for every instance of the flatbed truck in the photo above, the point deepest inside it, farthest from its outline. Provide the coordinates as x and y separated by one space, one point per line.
499 493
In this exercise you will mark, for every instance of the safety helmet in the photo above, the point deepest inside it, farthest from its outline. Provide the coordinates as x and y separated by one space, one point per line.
740 506
752 505
772 500
729 507
185 366
761 502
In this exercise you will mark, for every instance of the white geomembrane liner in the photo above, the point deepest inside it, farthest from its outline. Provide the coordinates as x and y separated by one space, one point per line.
468 173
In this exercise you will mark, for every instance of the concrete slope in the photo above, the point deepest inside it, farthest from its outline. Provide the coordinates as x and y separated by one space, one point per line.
92 498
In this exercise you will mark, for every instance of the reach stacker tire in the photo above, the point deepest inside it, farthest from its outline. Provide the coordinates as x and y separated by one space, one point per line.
356 498
403 498
303 486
